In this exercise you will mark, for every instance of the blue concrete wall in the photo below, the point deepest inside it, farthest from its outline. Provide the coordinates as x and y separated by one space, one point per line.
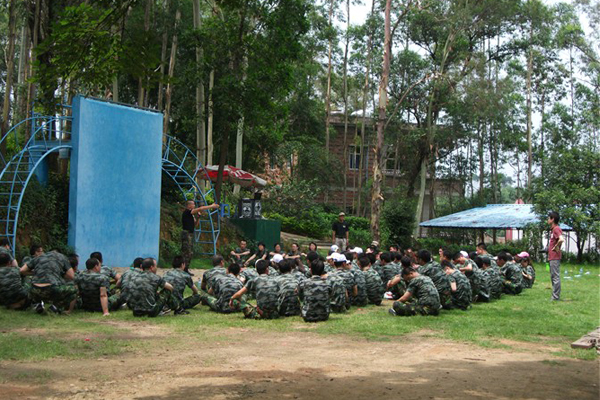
115 181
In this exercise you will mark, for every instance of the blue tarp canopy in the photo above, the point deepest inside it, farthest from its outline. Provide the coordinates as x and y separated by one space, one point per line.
492 216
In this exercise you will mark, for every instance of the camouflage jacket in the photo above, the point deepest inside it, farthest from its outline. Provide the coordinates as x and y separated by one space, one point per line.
512 272
361 284
49 268
462 297
495 282
126 281
89 284
315 294
424 291
528 283
210 276
142 292
224 287
389 271
179 279
433 270
287 300
374 286
248 273
11 285
6 251
349 281
339 295
108 271
266 289
480 285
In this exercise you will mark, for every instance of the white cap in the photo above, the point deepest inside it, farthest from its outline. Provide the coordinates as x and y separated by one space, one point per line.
357 250
464 254
277 258
334 248
337 257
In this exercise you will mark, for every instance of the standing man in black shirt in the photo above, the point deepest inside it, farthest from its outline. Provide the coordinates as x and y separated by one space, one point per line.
340 232
188 224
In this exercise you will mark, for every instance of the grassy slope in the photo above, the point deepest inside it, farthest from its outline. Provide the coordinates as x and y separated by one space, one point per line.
530 317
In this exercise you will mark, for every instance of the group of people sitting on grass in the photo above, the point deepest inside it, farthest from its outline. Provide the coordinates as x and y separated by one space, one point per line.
267 285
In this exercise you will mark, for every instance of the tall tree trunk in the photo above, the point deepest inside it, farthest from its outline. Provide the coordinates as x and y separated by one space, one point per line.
169 89
141 88
10 67
432 181
346 103
200 121
542 144
31 86
163 59
376 197
529 109
209 139
361 162
328 92
21 97
480 155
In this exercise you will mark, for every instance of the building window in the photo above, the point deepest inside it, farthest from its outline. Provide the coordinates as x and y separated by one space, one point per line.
354 153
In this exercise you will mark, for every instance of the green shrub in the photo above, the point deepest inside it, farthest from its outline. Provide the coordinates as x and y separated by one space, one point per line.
397 222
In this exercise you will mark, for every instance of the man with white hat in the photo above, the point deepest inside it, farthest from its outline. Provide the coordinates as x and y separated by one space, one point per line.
341 231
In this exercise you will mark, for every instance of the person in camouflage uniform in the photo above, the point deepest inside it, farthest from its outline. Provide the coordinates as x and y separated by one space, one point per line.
480 287
373 284
528 273
361 298
432 269
5 249
125 282
149 293
93 289
343 271
51 271
14 294
266 291
512 274
389 269
288 302
209 277
222 288
339 296
105 270
421 296
241 254
494 277
460 286
35 250
180 279
397 286
315 294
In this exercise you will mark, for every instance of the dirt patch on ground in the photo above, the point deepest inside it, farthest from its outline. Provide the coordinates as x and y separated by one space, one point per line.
248 363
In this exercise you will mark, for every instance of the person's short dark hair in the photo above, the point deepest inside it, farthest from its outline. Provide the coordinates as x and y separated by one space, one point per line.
148 263
406 261
217 260
178 261
364 262
398 256
457 255
408 271
97 255
447 254
34 248
316 247
447 264
91 263
312 256
393 255
349 255
4 242
372 257
479 261
424 255
261 267
276 244
555 217
486 261
317 268
286 266
234 268
137 263
472 255
5 259
261 244
482 245
504 256
261 262
386 257
73 260
338 263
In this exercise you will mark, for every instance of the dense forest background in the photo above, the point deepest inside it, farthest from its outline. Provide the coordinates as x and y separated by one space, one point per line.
502 96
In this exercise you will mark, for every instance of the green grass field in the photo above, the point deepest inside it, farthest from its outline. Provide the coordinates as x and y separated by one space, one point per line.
529 317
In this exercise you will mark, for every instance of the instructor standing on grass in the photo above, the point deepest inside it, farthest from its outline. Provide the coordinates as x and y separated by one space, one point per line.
340 232
188 224
554 253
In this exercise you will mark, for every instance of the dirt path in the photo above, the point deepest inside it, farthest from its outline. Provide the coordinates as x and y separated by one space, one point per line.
244 363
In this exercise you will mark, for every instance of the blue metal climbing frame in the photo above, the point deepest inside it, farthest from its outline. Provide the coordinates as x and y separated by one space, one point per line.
49 134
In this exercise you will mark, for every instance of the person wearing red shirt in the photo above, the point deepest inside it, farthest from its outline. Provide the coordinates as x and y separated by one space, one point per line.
554 253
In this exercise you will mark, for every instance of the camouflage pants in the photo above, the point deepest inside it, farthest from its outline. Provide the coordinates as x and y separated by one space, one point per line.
252 312
336 308
413 308
19 301
163 298
359 301
446 299
114 303
511 288
213 303
187 246
59 295
187 302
